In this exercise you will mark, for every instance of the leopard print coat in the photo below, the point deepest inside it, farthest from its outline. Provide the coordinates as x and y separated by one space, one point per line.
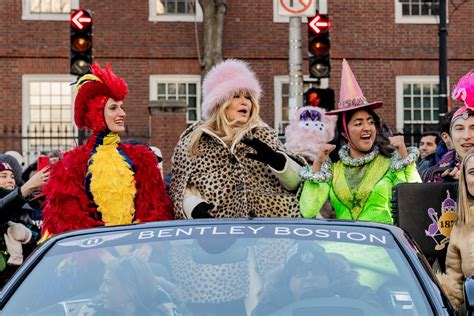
236 185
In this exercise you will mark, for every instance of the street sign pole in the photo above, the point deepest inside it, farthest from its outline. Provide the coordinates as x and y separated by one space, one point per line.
443 59
295 10
295 99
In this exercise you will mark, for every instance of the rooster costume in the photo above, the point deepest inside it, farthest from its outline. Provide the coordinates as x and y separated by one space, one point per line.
102 182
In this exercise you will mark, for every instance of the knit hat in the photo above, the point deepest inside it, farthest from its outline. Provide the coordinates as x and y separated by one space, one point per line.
5 166
350 96
93 91
224 80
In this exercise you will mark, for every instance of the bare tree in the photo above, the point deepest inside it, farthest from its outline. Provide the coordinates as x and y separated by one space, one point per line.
213 28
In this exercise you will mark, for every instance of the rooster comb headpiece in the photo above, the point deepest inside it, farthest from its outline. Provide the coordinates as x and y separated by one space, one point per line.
93 90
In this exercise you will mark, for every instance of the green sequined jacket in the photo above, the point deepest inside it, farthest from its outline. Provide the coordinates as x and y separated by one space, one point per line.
368 198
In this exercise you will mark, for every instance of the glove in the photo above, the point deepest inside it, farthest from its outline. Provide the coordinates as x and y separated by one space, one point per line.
265 154
202 210
14 249
19 232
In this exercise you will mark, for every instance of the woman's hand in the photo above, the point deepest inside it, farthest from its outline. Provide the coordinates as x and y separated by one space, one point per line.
265 154
399 143
36 181
202 210
324 152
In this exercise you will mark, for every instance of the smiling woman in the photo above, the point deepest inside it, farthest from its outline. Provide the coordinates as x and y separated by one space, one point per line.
368 164
232 163
114 114
103 182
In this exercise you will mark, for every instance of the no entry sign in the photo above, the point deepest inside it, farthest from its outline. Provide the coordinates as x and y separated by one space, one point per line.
297 7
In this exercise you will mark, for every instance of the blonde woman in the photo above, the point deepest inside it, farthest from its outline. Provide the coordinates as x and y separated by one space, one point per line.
232 163
460 256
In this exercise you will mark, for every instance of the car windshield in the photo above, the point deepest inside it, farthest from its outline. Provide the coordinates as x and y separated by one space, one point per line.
224 269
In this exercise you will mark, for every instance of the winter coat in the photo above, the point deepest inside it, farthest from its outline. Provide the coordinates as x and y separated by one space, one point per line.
371 201
69 205
237 186
424 163
459 261
11 203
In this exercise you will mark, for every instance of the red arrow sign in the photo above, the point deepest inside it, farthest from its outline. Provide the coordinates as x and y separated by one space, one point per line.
319 24
80 19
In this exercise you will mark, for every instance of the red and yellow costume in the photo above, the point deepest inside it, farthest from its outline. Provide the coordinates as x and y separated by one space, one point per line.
103 182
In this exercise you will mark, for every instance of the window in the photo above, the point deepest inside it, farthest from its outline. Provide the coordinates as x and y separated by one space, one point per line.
179 87
321 6
47 116
417 106
281 97
175 11
417 11
48 9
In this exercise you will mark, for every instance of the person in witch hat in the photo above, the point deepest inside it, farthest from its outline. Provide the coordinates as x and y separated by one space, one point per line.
368 163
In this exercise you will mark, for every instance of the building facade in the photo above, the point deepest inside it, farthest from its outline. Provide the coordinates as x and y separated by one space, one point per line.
156 45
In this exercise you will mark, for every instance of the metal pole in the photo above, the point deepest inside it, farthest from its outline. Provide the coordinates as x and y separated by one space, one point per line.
295 67
443 59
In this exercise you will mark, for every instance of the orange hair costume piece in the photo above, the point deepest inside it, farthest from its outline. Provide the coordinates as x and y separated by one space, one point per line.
80 192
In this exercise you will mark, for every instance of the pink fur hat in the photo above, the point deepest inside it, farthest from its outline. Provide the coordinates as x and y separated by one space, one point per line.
224 80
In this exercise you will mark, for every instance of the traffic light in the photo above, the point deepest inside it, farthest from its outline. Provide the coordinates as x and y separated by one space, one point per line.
318 46
323 98
81 42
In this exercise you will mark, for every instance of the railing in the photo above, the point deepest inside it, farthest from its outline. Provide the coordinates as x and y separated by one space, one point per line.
34 140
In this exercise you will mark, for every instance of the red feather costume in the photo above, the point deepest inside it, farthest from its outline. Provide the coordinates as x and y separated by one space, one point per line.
69 203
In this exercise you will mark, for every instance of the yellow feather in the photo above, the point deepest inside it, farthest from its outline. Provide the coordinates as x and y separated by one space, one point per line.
84 79
112 184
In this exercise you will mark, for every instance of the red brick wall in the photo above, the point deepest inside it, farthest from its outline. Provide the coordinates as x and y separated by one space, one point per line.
364 32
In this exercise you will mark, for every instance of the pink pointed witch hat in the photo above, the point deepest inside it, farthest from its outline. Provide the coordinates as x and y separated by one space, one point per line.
351 97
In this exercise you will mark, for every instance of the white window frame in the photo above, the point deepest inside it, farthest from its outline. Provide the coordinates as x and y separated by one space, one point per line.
400 81
156 79
25 102
321 6
27 15
153 17
400 19
278 82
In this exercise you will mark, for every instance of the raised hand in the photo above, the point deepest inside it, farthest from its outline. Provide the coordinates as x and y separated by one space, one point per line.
36 181
324 152
265 154
399 143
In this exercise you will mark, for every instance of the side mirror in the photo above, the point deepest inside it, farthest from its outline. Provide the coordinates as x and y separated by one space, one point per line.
469 294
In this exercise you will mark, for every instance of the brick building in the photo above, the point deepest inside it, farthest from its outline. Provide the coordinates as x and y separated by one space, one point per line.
392 47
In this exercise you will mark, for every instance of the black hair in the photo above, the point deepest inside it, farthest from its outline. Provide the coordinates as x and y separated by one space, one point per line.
381 139
445 122
436 135
26 173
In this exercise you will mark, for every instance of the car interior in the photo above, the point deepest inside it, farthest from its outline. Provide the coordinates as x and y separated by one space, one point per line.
231 276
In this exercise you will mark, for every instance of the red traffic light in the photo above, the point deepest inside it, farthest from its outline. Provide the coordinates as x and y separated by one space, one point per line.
313 99
319 24
80 19
80 52
323 98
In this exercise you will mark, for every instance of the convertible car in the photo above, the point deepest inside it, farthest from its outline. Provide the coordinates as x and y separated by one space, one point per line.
228 267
